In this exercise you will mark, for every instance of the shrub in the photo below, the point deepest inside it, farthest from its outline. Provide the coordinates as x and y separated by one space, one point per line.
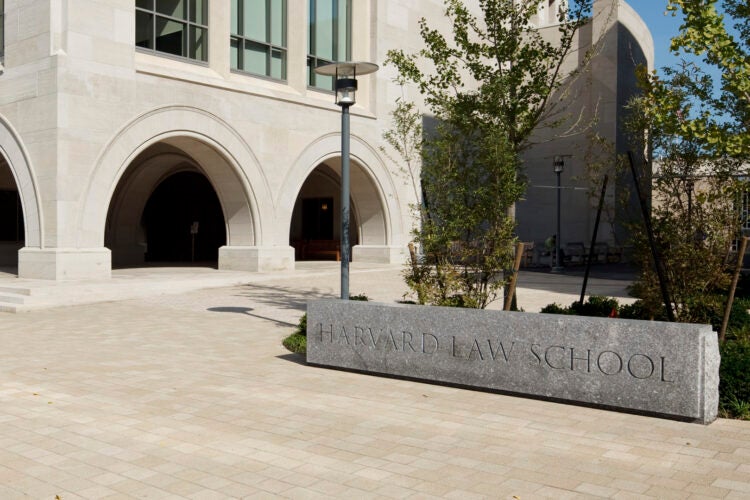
594 306
301 326
296 343
555 308
734 374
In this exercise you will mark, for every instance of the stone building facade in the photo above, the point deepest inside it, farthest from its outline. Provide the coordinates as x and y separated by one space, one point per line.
123 123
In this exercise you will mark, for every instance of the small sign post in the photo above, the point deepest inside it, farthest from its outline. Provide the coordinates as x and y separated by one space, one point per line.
193 232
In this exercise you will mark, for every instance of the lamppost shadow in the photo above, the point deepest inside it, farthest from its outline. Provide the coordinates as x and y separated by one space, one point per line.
246 310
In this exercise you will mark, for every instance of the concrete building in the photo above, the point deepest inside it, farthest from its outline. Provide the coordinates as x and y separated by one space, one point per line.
620 41
125 122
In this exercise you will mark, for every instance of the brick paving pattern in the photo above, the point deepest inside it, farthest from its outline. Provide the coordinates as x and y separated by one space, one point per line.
191 395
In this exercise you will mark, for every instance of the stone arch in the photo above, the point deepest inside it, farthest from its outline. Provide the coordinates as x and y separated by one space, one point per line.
223 156
125 234
376 206
15 154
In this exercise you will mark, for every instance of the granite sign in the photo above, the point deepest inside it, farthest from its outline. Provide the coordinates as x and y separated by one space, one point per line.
664 369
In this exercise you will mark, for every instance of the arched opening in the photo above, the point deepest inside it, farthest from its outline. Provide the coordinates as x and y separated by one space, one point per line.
315 231
12 230
165 210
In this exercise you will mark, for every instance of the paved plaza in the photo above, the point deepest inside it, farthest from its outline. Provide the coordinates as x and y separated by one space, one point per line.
189 394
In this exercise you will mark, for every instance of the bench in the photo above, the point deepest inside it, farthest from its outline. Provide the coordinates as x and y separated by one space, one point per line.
575 252
320 249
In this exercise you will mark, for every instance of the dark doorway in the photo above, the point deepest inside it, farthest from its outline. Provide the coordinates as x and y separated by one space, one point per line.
11 216
317 218
170 218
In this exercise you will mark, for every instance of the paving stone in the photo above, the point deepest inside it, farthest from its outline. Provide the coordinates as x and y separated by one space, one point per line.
133 381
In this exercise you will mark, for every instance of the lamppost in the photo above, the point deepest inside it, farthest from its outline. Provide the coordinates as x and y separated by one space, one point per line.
558 163
345 83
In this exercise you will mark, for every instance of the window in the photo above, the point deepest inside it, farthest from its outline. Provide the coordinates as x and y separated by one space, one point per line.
258 41
329 38
2 29
177 27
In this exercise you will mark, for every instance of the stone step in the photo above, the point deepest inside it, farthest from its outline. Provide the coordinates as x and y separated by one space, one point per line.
13 298
16 290
9 307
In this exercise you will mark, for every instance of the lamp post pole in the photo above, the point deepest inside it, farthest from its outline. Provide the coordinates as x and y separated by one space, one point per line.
345 201
345 84
558 163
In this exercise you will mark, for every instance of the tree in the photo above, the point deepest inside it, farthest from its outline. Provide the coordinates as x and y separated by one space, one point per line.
698 131
723 42
488 88
696 190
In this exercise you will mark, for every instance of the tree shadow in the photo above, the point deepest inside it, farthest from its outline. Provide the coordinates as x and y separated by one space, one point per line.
278 298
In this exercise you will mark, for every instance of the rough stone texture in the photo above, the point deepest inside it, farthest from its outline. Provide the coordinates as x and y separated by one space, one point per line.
665 369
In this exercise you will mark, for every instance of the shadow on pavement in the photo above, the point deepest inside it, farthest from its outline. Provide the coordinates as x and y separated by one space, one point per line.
246 310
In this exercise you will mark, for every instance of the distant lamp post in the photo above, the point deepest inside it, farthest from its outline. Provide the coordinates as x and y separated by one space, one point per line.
558 163
345 83
690 187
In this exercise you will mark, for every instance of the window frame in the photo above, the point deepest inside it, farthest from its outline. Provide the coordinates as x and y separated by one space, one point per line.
2 30
241 39
189 26
313 60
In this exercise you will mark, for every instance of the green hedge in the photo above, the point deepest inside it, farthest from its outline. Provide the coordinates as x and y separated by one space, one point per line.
734 374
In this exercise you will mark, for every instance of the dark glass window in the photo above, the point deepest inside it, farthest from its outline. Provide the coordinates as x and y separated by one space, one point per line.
177 27
258 40
329 38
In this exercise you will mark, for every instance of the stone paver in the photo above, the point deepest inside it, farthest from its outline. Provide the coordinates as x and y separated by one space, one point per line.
191 395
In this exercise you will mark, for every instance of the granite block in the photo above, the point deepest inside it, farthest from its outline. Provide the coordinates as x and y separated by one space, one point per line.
651 367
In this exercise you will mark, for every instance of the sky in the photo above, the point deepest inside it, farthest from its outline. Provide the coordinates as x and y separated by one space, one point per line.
663 28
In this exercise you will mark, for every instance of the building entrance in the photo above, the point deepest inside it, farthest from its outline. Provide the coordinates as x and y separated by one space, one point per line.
183 221
12 231
316 222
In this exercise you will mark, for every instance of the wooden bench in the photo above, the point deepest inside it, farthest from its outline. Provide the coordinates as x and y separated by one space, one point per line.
575 252
320 249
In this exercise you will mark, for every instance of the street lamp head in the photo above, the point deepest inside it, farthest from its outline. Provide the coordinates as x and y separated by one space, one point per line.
345 74
558 163
346 89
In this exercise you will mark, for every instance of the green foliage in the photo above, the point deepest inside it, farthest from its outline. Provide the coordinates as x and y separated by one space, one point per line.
498 66
297 341
707 33
699 130
639 310
466 236
555 308
595 306
734 373
490 85
694 198
406 140
301 328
